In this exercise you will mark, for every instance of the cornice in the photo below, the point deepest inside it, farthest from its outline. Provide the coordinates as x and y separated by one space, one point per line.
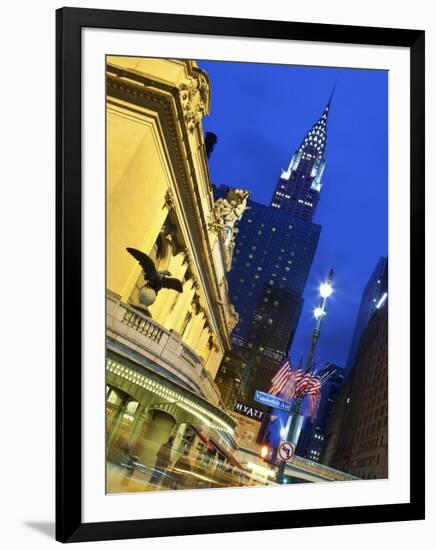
137 89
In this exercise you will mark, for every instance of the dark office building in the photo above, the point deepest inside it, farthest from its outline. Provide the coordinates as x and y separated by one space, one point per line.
273 255
313 437
374 294
274 252
269 338
357 432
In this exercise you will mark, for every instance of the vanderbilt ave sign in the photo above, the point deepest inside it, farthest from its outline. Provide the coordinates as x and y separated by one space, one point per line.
247 410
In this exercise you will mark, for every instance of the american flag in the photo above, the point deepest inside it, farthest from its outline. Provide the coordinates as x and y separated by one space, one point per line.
313 385
312 392
289 391
303 380
281 378
288 384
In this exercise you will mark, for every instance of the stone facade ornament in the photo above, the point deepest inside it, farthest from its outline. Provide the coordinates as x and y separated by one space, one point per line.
187 257
227 213
234 317
169 199
194 94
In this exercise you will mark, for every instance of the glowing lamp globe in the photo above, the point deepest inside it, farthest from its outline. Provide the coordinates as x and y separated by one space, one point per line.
325 290
318 312
146 296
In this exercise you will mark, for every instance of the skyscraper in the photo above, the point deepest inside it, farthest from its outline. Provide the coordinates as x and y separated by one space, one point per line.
357 432
299 187
274 252
375 292
272 260
273 255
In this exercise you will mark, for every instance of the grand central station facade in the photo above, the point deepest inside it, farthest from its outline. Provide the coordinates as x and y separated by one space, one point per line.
164 348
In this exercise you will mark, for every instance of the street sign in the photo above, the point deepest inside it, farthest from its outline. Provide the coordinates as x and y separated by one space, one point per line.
286 451
272 401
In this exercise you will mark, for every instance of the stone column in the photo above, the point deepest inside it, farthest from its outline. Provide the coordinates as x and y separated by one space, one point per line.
196 330
140 429
113 436
182 306
202 342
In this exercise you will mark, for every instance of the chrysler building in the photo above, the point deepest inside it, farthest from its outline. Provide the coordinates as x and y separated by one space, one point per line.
299 186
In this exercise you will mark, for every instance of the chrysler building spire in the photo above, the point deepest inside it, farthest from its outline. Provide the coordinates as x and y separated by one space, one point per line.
299 186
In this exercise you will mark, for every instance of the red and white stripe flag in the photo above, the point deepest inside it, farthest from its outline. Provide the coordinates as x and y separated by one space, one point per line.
313 385
302 382
288 384
313 393
290 390
281 378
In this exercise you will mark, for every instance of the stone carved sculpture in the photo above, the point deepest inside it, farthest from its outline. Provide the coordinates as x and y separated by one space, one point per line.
154 280
234 317
194 94
227 213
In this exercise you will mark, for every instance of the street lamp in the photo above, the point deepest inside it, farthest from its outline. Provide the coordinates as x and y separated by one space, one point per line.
318 313
295 423
325 291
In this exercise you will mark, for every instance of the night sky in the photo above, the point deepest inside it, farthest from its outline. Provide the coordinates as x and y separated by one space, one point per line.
260 114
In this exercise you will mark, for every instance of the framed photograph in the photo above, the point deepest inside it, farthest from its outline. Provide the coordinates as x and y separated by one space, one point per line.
240 274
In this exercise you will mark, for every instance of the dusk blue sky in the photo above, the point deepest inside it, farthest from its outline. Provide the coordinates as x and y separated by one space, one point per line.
260 114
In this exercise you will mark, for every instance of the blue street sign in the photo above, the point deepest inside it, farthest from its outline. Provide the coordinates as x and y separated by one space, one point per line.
272 401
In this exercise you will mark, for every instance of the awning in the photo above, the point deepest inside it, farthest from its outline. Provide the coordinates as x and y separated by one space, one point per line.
226 454
200 434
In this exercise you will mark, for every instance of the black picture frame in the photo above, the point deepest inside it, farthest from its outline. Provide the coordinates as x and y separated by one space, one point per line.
69 525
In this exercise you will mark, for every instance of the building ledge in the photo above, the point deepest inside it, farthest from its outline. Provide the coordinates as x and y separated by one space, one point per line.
130 329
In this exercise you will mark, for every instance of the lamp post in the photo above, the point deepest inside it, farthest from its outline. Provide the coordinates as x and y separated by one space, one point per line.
319 313
295 422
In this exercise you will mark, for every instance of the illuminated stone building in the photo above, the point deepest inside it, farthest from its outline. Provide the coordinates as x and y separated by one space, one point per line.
162 357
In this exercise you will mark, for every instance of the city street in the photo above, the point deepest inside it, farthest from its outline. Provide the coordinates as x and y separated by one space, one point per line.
122 478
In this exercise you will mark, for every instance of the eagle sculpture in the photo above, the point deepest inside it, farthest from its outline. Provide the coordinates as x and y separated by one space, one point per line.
155 280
